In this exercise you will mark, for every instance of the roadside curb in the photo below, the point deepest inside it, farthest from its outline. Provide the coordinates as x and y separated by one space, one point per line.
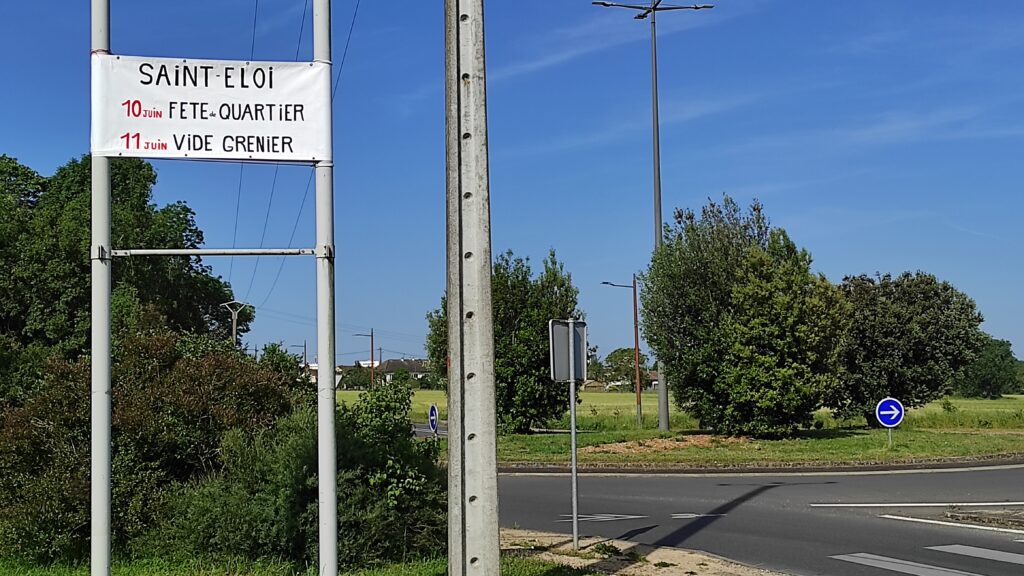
922 465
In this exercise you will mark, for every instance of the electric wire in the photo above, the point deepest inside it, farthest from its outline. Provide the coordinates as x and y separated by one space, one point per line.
241 165
302 204
277 166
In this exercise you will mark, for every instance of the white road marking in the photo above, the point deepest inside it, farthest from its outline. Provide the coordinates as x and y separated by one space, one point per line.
600 517
952 524
691 515
912 504
985 553
901 566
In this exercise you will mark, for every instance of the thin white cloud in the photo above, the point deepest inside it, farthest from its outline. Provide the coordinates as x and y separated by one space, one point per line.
899 126
675 112
604 30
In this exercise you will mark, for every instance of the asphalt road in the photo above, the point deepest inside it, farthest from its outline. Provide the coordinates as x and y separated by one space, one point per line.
779 523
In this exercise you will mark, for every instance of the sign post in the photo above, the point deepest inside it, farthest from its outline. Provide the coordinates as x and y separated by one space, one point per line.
222 110
568 341
890 413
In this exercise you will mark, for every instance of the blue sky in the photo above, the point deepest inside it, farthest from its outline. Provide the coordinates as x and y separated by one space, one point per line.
884 136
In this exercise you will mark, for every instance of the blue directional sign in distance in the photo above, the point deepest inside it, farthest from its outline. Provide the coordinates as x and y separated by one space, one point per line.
890 412
432 418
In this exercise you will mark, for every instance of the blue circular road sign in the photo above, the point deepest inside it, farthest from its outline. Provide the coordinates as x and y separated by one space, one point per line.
432 417
890 412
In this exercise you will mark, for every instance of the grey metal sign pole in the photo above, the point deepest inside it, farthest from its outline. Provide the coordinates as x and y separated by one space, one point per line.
572 434
325 386
99 254
473 546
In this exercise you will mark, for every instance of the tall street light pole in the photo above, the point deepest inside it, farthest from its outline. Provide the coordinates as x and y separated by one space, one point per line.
652 10
370 336
636 350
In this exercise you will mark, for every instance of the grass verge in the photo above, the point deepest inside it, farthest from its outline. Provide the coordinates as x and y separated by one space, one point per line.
511 566
641 448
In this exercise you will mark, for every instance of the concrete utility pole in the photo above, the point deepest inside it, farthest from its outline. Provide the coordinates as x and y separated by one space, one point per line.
472 426
235 307
327 460
100 257
652 10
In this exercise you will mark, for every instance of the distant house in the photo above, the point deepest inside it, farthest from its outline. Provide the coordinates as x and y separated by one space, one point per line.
313 370
416 367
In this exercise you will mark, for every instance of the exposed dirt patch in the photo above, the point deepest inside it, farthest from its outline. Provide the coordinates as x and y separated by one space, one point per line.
620 557
654 445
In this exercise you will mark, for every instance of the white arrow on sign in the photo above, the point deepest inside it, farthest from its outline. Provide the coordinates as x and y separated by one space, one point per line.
691 515
892 412
600 517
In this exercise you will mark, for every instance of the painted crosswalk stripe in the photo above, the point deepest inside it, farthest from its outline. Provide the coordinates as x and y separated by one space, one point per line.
985 553
901 566
951 524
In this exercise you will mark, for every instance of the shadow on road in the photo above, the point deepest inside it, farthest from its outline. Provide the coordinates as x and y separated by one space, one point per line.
683 533
636 532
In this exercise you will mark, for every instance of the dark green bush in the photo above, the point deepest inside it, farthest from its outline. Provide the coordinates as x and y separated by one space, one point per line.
263 504
170 415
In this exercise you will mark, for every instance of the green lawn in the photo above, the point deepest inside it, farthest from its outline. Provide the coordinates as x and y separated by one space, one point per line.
815 447
596 411
511 566
952 428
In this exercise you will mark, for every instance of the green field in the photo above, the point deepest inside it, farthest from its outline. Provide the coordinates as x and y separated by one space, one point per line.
596 411
511 566
824 447
946 429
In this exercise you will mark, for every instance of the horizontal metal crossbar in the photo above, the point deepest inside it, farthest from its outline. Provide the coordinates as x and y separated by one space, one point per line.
215 252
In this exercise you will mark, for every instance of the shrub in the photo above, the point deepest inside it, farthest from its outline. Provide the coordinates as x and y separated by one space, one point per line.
263 504
170 415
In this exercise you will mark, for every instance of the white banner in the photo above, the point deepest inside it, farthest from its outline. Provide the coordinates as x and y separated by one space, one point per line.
213 109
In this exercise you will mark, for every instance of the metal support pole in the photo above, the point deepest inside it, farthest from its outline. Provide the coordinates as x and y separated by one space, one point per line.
663 422
99 554
371 359
572 435
636 358
472 427
327 464
215 252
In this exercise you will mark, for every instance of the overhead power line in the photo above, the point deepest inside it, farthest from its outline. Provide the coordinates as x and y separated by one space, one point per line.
241 165
277 166
302 204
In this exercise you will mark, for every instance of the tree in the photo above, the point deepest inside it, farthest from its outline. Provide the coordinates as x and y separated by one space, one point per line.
620 366
595 367
908 337
784 339
45 255
522 306
992 374
749 337
687 291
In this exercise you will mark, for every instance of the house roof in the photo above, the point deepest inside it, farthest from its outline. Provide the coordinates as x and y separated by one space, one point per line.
410 365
